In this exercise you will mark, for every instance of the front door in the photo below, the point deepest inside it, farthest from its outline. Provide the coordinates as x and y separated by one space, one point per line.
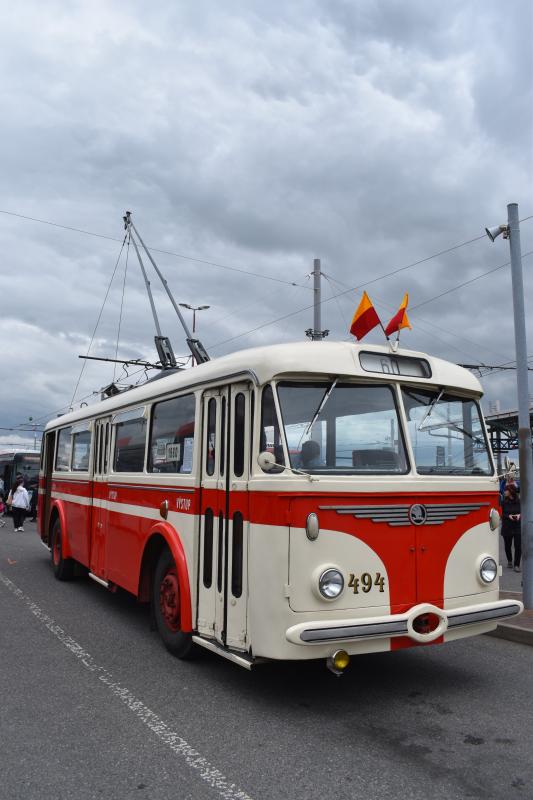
223 551
98 553
45 500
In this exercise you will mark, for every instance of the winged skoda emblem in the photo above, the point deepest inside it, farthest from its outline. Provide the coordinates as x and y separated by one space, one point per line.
409 513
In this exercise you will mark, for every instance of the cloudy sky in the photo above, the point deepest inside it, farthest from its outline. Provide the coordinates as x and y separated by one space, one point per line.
248 138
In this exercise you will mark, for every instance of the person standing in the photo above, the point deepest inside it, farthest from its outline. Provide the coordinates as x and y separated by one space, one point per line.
20 503
511 529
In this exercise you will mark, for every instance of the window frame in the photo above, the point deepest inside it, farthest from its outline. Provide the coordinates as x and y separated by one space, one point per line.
148 454
324 380
58 440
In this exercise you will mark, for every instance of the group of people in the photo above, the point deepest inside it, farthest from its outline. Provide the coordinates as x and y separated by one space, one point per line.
511 529
18 501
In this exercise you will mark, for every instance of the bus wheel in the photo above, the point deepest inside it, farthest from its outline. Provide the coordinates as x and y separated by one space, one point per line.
63 567
166 604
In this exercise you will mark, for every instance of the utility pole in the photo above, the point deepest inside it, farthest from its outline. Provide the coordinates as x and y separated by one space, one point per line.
511 231
316 333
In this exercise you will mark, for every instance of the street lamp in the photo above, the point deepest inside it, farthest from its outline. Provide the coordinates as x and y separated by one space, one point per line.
194 309
511 231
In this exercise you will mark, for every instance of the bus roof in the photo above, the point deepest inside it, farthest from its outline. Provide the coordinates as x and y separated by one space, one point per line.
261 364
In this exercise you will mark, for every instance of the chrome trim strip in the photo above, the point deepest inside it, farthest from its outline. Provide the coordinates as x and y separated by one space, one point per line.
485 615
314 632
355 631
79 481
149 488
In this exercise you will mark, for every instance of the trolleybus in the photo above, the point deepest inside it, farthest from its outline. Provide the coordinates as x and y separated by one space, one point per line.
19 462
311 500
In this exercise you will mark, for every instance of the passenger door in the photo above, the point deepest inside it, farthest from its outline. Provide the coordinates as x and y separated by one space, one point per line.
224 532
98 553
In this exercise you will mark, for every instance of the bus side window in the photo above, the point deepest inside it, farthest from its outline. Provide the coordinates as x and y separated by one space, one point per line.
238 440
64 445
270 437
130 444
172 435
106 448
211 436
81 448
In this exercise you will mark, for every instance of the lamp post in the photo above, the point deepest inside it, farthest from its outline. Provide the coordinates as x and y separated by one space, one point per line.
194 309
511 231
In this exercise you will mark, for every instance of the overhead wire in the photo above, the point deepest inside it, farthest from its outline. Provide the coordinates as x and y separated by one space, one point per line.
98 321
467 283
262 275
423 323
359 286
157 250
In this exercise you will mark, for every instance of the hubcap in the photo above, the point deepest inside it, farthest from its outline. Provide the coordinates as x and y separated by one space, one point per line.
169 600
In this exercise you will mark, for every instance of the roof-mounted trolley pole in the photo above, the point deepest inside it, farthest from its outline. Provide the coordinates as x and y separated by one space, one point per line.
195 346
162 343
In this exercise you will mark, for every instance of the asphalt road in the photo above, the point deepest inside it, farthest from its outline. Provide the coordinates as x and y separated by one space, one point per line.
92 706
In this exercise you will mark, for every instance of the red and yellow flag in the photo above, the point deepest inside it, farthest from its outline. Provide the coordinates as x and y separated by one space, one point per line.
400 319
365 318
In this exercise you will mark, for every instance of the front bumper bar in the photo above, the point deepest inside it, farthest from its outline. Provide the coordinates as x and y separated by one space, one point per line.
350 630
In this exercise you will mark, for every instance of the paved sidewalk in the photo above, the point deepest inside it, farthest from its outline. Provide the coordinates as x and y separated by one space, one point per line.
516 629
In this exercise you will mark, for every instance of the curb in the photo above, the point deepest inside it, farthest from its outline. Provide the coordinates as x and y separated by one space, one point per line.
513 633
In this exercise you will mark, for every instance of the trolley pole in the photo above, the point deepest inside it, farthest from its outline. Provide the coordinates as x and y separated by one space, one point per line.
524 425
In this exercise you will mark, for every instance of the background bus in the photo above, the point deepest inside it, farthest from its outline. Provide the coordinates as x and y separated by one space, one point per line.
25 462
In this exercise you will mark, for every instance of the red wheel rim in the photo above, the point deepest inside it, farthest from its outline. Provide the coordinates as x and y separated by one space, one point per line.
169 600
57 550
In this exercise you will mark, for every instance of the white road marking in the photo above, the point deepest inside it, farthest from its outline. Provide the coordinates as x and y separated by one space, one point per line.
206 771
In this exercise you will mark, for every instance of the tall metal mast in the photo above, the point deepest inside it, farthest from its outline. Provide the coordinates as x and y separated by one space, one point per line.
315 333
195 346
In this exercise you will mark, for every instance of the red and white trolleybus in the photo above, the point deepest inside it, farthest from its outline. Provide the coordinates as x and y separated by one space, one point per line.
298 501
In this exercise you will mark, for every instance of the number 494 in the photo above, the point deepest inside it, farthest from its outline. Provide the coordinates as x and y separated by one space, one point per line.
365 582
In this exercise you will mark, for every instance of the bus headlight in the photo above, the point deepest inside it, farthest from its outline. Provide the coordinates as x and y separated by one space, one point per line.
488 569
330 584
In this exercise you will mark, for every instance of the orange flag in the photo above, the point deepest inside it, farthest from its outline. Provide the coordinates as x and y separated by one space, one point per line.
365 318
400 319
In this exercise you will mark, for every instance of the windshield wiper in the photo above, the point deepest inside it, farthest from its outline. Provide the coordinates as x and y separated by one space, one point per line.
430 409
323 402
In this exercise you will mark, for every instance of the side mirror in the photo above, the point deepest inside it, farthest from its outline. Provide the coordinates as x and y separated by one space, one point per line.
266 461
506 464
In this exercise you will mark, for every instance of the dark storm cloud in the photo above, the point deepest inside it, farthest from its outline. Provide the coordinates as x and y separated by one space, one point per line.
371 134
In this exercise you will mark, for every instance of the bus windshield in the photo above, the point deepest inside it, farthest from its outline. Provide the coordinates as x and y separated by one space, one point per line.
27 464
342 428
446 434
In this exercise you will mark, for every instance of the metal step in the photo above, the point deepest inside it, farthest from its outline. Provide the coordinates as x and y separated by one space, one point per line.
241 659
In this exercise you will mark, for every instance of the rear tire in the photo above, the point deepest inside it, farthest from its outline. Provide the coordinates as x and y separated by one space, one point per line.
167 607
63 567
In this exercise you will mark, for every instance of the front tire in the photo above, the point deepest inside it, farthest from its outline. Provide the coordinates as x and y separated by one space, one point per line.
63 567
167 607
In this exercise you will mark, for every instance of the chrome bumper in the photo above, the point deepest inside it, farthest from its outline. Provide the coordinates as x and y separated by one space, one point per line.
350 630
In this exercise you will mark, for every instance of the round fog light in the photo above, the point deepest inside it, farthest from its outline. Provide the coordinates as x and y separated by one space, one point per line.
331 584
488 570
340 659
